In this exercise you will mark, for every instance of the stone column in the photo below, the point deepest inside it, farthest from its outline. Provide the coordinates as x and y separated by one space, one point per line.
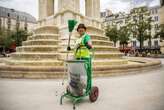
96 8
89 8
92 8
46 8
77 5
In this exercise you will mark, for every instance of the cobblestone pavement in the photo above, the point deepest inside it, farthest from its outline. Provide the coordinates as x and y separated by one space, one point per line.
131 92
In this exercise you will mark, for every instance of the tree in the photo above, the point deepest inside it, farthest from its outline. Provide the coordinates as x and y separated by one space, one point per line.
113 34
19 36
140 24
7 39
124 35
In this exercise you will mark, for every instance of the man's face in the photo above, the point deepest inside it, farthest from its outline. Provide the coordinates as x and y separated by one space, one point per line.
81 31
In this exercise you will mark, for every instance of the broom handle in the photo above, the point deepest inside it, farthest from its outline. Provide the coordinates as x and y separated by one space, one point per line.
65 65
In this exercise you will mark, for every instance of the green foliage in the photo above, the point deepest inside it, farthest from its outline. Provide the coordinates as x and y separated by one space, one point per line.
113 34
19 37
7 38
124 35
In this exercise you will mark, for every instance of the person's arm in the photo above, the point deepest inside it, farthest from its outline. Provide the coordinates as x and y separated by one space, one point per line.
89 44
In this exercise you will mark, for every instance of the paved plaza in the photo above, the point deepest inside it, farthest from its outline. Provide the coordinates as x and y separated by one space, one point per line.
131 92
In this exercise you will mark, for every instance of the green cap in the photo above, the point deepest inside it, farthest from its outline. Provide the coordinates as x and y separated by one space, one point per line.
71 25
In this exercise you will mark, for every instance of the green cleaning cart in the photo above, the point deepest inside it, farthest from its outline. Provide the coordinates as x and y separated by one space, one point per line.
80 81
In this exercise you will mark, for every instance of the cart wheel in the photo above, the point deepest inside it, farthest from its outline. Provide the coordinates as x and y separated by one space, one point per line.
94 94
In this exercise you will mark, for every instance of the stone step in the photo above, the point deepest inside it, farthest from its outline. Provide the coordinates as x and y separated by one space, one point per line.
109 62
44 36
44 63
99 37
97 55
61 63
34 56
102 42
38 48
40 42
97 48
47 30
108 55
105 48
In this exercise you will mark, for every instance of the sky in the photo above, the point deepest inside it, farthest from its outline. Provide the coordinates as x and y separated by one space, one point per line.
31 6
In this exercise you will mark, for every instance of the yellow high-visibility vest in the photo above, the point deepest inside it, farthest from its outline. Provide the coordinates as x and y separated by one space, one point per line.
81 51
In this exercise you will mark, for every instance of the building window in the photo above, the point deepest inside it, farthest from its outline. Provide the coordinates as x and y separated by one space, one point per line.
8 15
149 43
156 26
156 11
156 18
156 43
152 11
134 43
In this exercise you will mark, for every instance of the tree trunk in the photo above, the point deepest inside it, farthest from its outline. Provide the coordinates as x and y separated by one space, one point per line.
114 44
150 42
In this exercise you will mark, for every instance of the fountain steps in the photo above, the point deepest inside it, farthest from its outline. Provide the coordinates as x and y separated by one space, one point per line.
96 48
94 42
44 36
52 72
38 48
52 48
33 62
40 42
55 36
46 30
49 63
102 42
42 55
55 55
108 55
34 56
98 55
105 48
99 37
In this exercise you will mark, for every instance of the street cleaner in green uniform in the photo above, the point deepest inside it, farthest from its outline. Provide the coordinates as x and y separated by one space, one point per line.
82 49
80 68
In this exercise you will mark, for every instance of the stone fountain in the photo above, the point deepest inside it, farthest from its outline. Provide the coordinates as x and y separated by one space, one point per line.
42 55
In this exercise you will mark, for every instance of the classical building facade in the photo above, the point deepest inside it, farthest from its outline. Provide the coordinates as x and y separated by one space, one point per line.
11 19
